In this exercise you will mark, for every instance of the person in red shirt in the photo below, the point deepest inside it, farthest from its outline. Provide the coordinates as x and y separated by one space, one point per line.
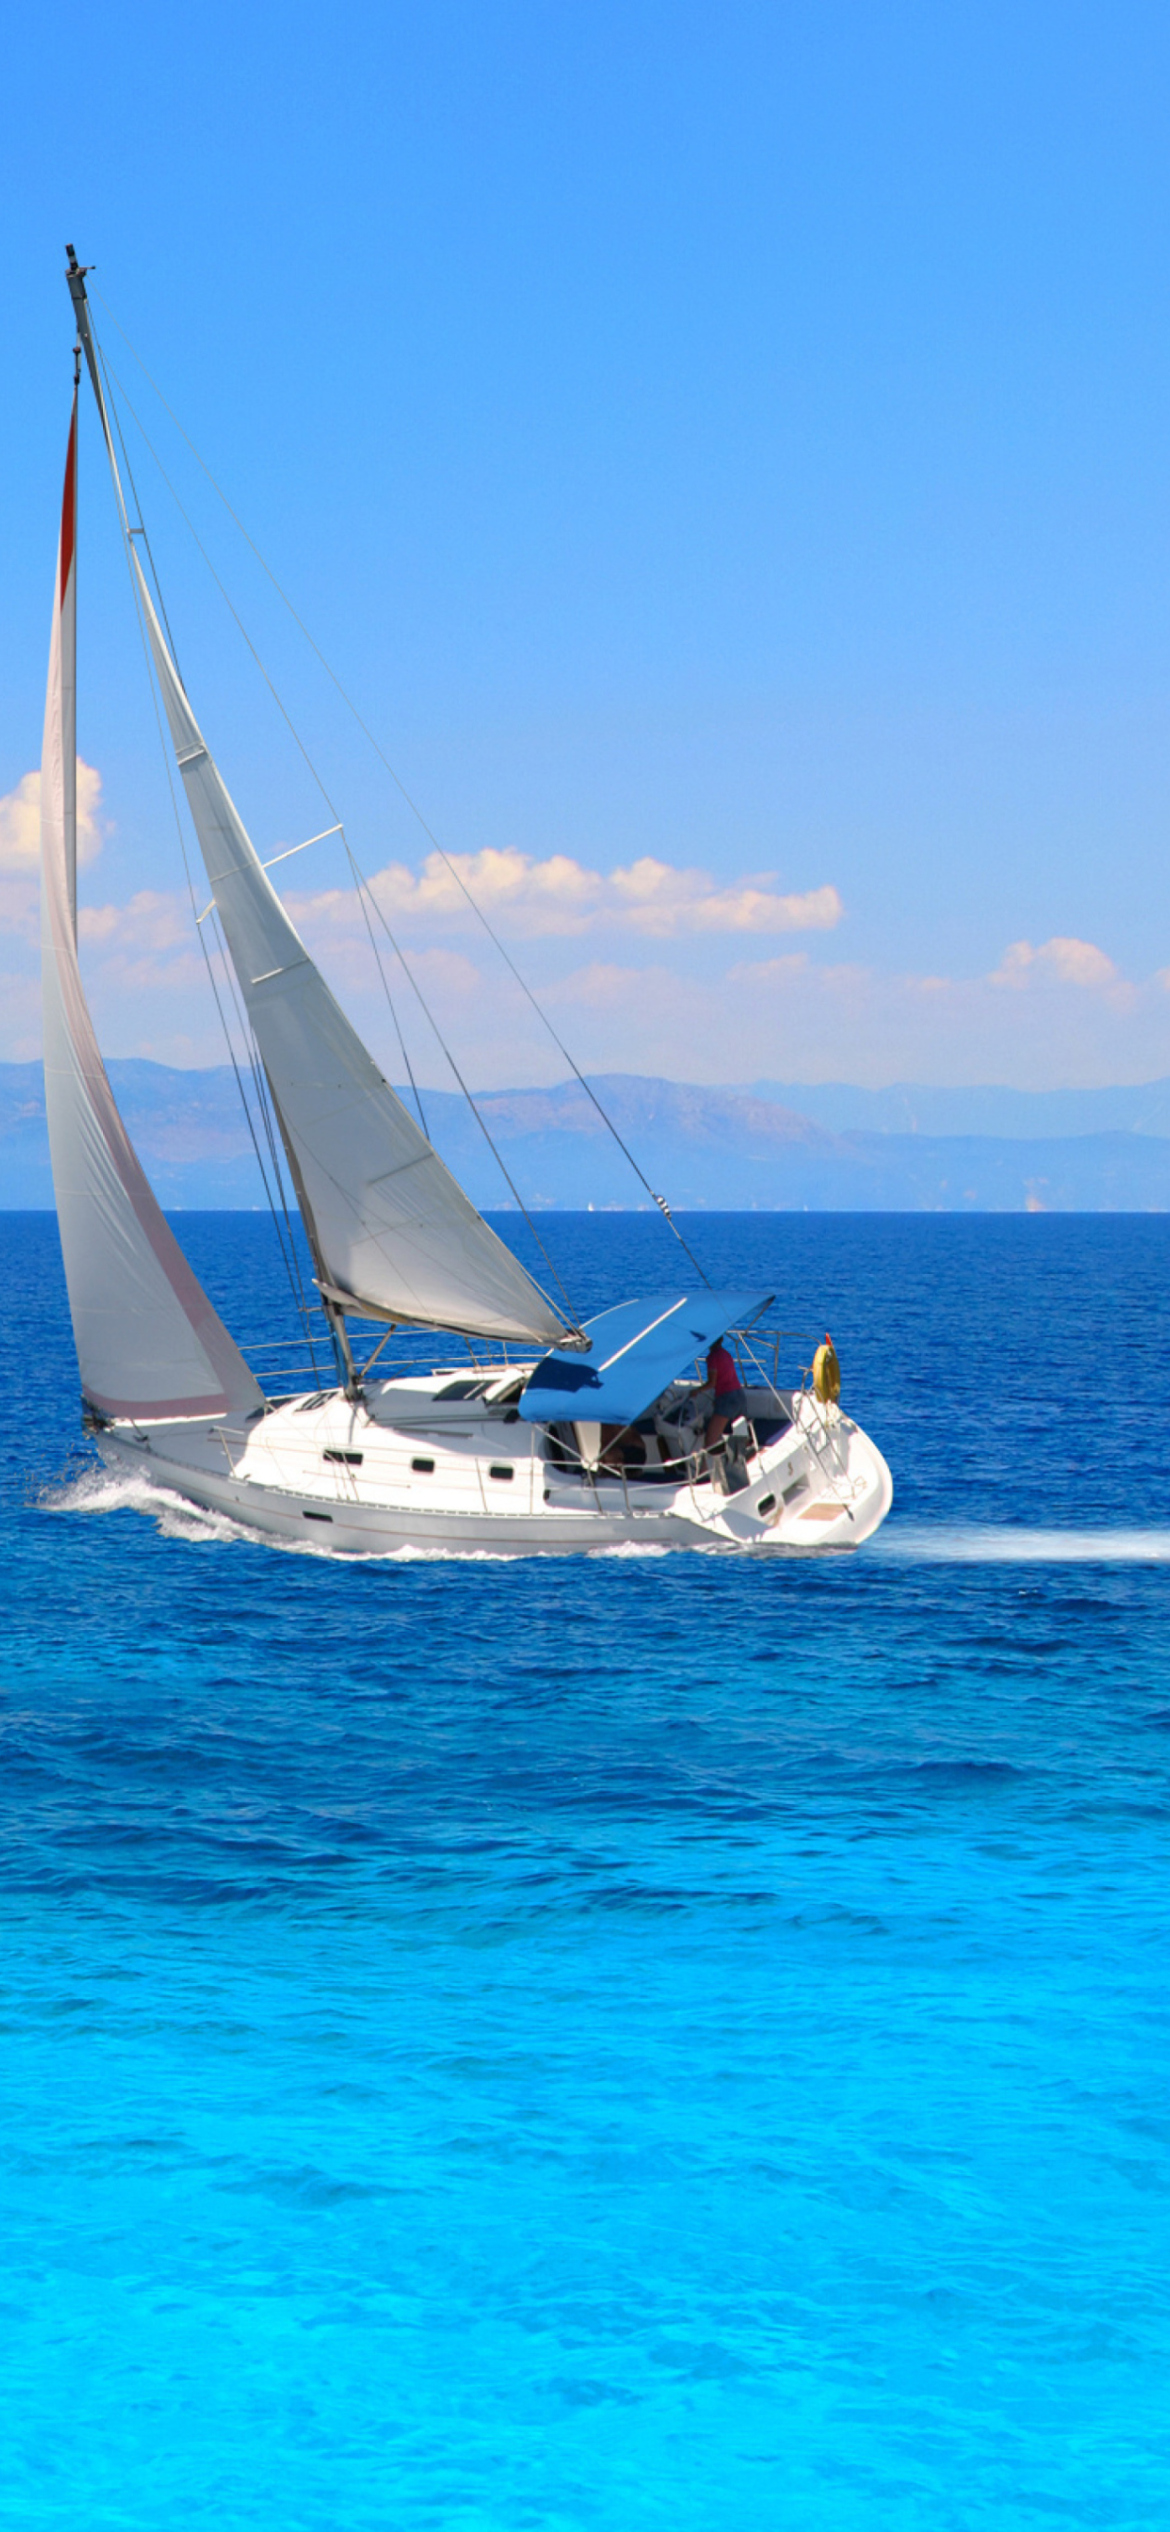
729 1401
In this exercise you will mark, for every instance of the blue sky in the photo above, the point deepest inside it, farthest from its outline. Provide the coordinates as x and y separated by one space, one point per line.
728 449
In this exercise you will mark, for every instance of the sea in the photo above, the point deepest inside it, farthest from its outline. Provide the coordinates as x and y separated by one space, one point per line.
630 2043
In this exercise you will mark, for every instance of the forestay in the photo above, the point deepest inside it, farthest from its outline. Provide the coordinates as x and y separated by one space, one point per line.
149 1344
391 1230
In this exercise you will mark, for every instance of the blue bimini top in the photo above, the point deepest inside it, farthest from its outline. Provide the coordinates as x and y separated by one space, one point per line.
636 1350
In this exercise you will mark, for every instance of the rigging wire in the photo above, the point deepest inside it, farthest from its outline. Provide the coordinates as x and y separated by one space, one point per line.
385 987
449 865
271 1135
359 875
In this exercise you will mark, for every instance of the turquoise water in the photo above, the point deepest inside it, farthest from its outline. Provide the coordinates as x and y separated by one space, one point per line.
629 2042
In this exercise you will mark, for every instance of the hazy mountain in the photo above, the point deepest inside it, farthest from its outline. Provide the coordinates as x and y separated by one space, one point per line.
701 1148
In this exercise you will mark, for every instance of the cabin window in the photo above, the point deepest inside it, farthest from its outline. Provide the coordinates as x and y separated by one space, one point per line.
345 1459
766 1504
423 1467
318 1516
462 1389
495 1471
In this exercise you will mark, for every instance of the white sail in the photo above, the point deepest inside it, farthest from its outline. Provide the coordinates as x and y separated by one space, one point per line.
391 1230
149 1344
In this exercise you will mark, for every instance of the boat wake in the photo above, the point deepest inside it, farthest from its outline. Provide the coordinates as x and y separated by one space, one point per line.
107 1490
967 1543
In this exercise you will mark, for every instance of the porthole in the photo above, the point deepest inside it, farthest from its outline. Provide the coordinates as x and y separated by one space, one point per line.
344 1459
501 1473
766 1504
423 1467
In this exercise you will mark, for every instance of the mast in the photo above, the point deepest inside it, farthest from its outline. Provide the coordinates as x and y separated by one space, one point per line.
75 276
67 598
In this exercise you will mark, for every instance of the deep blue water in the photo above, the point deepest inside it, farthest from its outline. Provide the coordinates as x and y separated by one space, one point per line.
628 2042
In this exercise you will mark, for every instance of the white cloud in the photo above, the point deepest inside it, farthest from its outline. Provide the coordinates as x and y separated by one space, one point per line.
558 895
656 899
122 977
20 821
563 896
151 921
1060 960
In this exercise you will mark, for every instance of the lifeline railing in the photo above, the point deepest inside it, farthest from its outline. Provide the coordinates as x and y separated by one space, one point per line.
299 1361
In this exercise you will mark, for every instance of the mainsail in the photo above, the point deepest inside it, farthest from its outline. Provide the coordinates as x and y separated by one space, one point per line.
391 1230
148 1342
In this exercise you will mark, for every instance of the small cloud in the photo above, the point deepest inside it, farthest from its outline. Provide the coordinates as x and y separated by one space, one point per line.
20 825
1015 966
1069 962
563 896
775 975
150 921
147 973
20 821
653 897
557 895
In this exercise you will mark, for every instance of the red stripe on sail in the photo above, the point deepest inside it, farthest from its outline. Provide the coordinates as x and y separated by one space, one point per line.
69 507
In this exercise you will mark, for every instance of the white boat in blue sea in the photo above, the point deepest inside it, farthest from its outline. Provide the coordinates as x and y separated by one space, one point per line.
532 1430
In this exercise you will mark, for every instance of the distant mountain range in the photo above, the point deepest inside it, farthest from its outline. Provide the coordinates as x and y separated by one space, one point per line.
773 1147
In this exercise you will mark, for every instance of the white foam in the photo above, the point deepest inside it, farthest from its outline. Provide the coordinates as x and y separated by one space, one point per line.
969 1544
637 1548
116 1490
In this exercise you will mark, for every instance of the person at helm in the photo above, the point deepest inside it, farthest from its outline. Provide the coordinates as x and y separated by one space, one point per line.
728 1401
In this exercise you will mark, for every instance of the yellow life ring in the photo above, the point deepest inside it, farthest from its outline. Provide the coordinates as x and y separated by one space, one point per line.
826 1373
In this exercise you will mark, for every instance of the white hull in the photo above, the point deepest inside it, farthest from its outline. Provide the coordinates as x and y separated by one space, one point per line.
412 1467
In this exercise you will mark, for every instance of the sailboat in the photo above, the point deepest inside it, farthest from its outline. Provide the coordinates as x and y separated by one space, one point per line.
544 1434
